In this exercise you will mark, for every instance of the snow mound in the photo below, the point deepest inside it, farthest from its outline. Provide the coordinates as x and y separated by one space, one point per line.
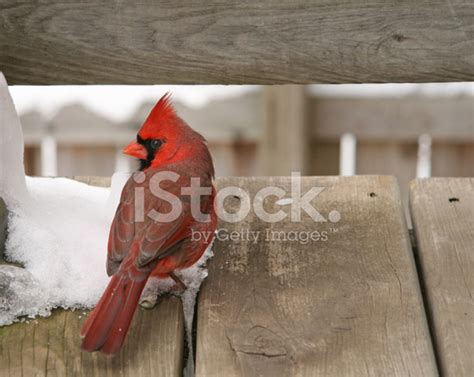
12 172
59 234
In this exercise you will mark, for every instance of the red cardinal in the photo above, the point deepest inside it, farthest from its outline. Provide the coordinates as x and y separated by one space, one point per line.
143 246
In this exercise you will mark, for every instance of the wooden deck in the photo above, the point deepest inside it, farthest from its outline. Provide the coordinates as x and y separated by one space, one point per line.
362 300
443 218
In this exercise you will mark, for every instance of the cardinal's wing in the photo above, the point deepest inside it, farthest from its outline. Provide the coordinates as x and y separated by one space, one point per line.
157 236
122 230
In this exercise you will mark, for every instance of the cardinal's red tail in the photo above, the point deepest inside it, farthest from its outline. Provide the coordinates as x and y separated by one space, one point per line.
107 325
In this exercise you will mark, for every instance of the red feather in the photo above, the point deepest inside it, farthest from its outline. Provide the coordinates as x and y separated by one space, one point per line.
162 115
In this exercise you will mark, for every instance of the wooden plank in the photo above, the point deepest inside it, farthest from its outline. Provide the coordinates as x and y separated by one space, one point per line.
224 42
51 346
402 119
443 216
347 306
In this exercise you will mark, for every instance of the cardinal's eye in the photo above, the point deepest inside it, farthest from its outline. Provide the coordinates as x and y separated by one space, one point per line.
156 143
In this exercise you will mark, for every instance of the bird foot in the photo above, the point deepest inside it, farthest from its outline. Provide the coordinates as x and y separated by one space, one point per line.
179 287
152 291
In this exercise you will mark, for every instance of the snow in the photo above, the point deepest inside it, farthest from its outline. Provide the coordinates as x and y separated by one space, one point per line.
59 234
191 277
118 181
20 295
12 172
58 230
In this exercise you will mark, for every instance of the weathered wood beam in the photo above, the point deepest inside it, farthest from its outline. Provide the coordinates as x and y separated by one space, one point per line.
346 304
51 346
224 42
443 217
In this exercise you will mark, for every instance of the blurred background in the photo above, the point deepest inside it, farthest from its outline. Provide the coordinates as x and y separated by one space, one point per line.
406 130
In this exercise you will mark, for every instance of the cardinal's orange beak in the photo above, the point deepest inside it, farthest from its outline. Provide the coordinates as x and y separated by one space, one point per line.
136 150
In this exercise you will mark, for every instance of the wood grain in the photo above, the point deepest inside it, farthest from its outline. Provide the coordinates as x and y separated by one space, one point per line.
51 346
443 218
347 306
236 42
